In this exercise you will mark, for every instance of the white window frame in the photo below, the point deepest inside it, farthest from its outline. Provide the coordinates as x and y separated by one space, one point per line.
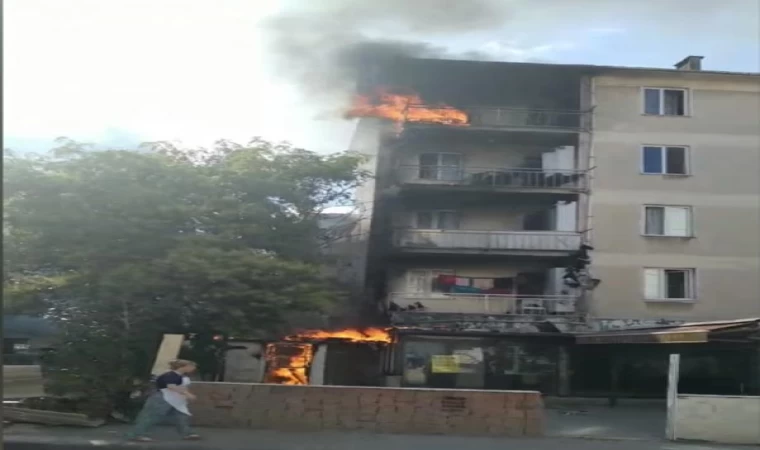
664 159
436 218
686 101
690 221
691 287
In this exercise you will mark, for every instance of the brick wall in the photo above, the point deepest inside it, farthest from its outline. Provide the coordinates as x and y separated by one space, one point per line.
391 410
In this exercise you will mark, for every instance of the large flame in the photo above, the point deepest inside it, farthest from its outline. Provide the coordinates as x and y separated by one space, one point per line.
349 334
288 362
390 104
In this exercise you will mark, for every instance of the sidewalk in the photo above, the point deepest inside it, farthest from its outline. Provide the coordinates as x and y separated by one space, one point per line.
30 437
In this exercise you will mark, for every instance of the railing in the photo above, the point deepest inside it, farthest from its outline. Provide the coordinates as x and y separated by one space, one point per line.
499 117
544 305
488 240
490 177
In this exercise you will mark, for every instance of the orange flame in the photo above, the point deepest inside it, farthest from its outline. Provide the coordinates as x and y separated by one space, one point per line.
288 362
349 334
387 104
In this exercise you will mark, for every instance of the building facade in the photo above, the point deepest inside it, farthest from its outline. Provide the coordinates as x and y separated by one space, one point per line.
655 170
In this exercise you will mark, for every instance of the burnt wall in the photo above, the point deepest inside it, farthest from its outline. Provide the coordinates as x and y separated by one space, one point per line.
387 410
481 83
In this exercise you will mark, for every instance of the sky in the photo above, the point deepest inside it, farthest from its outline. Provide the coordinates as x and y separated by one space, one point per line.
121 72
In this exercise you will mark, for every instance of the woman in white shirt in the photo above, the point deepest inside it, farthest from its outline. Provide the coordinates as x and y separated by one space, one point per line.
169 400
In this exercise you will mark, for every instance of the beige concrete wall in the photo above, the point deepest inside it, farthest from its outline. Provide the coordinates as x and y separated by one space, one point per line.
477 218
724 419
722 133
384 410
22 382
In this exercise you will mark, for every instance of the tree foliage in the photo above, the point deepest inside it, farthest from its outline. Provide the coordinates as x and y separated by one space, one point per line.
121 246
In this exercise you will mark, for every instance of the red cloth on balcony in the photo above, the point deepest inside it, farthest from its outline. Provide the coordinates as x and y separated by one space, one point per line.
447 280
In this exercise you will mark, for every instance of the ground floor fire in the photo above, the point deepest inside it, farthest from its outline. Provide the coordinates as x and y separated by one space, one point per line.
725 360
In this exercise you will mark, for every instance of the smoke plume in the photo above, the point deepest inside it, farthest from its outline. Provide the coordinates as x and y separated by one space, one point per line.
324 44
321 45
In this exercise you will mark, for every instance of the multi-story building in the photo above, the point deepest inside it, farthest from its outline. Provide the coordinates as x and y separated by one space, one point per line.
480 209
545 200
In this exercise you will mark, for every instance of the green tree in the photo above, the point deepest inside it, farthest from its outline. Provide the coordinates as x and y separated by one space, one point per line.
121 246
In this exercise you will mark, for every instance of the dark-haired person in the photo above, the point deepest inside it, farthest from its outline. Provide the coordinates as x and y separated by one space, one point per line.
169 400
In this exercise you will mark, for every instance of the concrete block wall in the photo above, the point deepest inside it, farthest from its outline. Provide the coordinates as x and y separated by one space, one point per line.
384 410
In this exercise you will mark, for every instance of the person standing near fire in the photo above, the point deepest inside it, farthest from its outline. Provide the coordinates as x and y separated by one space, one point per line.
169 400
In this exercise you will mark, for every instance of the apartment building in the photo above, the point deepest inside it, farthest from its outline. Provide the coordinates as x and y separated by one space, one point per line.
498 181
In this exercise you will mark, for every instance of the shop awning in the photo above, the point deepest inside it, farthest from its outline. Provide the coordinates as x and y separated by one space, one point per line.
688 333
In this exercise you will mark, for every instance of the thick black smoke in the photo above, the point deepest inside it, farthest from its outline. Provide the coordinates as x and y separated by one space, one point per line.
322 45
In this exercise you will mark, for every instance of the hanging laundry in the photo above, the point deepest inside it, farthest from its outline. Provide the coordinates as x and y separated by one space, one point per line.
465 290
462 281
446 280
483 283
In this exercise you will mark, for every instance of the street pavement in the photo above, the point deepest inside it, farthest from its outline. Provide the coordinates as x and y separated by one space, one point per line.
30 437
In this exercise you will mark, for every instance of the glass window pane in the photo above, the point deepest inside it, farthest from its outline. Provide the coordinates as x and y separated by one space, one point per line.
652 101
652 160
448 220
677 221
425 220
674 103
429 159
655 220
675 160
652 283
675 284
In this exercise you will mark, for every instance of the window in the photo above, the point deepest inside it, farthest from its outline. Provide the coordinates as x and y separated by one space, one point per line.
664 160
665 102
669 284
437 220
440 166
667 221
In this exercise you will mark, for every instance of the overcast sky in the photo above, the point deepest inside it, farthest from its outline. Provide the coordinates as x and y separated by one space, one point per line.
121 72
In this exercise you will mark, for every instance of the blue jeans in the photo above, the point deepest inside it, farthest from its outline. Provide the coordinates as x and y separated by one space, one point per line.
153 412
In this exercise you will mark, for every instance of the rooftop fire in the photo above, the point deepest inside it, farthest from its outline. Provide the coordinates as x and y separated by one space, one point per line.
288 362
392 104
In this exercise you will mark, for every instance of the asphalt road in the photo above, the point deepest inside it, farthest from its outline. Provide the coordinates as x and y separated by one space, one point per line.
23 437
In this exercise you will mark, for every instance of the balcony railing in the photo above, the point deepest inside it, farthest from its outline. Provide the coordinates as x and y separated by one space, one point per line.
522 305
490 177
551 241
502 117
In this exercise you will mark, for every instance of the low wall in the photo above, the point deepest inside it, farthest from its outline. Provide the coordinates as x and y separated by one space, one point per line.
724 419
22 382
391 410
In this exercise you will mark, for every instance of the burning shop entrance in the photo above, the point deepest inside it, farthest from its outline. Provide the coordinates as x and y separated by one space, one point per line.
349 357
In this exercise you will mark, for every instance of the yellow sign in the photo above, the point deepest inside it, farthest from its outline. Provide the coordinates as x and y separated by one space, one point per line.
444 364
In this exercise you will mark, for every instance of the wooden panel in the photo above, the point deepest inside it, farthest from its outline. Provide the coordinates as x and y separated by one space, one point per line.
168 351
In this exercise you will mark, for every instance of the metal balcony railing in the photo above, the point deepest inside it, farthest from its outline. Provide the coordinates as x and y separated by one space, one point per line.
490 177
499 117
562 241
521 305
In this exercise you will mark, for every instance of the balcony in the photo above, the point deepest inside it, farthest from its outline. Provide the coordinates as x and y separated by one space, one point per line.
549 243
494 118
497 304
490 178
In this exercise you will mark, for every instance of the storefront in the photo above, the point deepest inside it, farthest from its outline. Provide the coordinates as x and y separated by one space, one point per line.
481 360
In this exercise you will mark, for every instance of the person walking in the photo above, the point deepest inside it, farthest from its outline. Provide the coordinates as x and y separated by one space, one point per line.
169 400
